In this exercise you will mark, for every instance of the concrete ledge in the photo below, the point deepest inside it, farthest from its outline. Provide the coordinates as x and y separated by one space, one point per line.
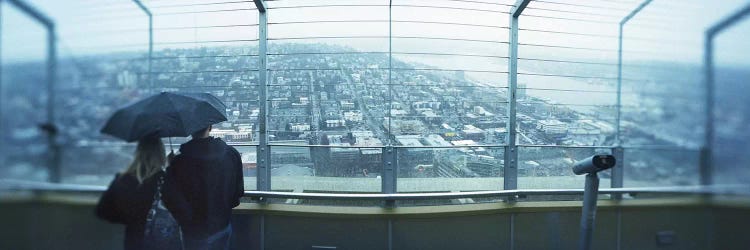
417 211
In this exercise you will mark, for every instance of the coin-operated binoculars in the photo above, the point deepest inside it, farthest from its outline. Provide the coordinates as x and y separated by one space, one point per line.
591 166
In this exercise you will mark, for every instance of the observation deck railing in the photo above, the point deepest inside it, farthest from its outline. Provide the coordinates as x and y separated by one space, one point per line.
390 152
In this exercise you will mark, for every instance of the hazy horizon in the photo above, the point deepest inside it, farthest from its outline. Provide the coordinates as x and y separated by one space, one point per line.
664 30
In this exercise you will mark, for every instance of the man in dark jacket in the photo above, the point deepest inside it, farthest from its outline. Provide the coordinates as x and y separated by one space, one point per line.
204 182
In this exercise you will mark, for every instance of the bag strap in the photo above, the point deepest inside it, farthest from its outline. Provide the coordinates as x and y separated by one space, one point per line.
157 199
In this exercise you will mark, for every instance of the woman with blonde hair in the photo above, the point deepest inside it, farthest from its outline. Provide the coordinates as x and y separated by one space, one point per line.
131 195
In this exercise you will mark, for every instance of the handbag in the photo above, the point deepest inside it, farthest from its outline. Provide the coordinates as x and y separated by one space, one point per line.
162 231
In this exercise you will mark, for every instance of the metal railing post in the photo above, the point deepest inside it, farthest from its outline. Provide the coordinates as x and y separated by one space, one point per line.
390 172
52 130
145 9
706 163
390 154
2 143
390 70
705 153
49 127
263 150
618 172
510 166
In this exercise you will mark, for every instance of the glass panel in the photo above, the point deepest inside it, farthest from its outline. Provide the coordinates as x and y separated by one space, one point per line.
567 75
249 163
326 169
101 162
98 27
328 72
732 106
661 167
104 160
333 82
663 87
448 169
664 100
101 66
198 47
551 167
211 47
24 152
449 78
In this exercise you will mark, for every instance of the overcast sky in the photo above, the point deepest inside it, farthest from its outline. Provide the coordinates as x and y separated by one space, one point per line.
669 30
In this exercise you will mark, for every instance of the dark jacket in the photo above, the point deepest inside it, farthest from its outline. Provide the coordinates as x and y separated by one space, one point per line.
127 202
204 182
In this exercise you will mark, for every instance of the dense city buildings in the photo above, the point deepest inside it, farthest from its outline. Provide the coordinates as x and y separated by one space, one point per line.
444 123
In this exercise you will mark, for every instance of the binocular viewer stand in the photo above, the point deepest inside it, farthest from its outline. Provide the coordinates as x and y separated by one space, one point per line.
591 166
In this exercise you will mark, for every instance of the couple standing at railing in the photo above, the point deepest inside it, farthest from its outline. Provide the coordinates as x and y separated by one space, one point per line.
167 201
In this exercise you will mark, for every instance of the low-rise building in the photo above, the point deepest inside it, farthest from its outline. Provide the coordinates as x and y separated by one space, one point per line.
353 116
552 127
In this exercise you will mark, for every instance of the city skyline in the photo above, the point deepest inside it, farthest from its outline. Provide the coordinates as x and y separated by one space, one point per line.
330 83
354 82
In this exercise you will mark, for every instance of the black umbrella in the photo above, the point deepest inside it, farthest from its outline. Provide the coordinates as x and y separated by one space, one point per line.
166 115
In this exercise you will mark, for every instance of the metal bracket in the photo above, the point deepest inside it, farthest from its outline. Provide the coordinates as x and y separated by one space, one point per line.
261 5
390 172
618 172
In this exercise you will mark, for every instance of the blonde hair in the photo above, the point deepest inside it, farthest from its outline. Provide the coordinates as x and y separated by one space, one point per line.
150 156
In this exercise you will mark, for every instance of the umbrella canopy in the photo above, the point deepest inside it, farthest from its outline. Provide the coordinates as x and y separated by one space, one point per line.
166 115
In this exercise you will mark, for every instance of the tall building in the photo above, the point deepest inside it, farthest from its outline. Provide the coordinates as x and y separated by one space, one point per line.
521 91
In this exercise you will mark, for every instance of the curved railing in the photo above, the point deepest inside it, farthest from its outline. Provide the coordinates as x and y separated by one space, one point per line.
510 195
511 161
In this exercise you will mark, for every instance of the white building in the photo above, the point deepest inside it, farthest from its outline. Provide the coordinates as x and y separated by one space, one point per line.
232 135
409 140
299 127
346 105
335 123
481 111
436 140
356 77
552 127
304 100
353 116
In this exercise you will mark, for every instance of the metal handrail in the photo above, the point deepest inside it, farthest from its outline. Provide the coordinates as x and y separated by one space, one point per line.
688 190
13 185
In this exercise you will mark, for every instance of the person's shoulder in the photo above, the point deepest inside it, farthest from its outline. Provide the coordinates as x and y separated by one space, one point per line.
233 152
179 160
225 145
179 156
218 140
